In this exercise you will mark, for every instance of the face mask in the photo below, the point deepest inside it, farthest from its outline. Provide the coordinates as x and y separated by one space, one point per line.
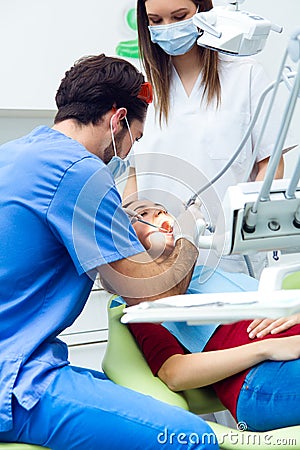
117 165
176 38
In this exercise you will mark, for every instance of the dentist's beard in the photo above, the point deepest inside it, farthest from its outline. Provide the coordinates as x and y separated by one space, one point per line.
109 151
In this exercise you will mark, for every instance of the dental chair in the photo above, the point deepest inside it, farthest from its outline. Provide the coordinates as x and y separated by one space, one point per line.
124 364
14 446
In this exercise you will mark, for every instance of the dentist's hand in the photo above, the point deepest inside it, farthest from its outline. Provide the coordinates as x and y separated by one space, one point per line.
190 224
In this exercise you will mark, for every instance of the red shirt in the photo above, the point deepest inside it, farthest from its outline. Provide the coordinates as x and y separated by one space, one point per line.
158 344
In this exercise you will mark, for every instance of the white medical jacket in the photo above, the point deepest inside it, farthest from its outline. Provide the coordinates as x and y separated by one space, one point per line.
173 161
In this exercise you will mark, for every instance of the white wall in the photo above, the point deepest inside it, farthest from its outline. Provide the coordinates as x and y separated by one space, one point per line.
40 40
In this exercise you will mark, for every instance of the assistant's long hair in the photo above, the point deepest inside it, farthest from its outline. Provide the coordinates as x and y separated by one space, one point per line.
157 64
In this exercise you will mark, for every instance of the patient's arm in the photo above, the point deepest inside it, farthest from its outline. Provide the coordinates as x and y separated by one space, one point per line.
262 327
194 370
181 371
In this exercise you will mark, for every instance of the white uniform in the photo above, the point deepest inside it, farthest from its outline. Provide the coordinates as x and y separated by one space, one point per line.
174 161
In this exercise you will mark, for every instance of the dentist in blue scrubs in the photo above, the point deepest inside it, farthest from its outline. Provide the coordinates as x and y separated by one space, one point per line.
61 223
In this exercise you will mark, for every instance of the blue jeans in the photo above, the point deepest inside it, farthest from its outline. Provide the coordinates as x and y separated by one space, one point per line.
84 410
270 396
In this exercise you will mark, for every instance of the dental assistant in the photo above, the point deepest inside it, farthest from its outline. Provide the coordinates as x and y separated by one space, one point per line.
203 104
62 222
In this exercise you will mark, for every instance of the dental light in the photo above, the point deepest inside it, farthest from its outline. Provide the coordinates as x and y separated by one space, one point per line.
232 31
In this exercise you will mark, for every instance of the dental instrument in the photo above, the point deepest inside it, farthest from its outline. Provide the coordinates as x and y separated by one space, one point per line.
135 217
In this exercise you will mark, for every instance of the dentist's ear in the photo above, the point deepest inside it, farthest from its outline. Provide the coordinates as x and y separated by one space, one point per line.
118 115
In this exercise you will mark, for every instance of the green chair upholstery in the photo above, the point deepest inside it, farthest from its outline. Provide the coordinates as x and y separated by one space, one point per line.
14 446
284 276
291 281
124 364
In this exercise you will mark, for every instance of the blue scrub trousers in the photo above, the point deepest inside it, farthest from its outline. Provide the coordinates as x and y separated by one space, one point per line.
84 410
270 396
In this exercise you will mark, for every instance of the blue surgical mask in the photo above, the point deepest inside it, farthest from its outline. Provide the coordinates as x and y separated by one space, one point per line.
117 165
175 38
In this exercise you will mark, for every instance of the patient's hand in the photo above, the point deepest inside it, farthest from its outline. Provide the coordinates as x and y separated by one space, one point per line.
287 350
261 327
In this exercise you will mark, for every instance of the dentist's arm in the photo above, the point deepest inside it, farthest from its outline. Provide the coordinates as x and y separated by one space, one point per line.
141 278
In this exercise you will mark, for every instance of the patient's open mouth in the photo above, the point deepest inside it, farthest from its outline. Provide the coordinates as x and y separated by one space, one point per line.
166 226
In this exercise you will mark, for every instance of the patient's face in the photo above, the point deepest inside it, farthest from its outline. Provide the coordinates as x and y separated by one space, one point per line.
157 215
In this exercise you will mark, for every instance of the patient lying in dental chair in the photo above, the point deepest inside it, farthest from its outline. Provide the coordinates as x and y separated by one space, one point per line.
253 366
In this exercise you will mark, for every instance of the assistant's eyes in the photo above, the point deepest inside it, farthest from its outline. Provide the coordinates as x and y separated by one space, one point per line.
159 20
181 17
154 21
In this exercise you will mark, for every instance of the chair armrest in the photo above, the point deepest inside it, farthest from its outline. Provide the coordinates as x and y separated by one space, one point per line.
275 278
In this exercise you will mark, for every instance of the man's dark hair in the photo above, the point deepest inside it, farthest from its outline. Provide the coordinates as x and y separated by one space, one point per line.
94 85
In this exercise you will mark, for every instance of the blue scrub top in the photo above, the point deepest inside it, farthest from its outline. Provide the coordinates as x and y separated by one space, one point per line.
60 218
